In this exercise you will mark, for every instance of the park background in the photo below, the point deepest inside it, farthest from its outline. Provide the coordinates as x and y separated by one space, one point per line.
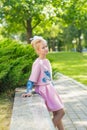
63 23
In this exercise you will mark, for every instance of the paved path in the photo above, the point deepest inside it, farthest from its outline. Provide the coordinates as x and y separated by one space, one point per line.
74 96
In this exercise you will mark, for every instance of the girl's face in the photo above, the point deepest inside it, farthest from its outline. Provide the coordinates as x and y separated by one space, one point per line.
43 49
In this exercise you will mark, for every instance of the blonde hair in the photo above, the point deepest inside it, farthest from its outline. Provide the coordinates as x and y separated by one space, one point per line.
36 40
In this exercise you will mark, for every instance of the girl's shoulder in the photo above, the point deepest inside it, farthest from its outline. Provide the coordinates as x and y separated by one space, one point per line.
39 61
48 60
35 62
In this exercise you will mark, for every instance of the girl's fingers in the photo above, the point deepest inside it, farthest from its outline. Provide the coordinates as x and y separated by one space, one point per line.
26 95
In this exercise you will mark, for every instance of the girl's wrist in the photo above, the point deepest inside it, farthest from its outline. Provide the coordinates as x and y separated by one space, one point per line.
29 92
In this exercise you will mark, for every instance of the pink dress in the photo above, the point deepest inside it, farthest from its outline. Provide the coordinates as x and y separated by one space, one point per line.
41 75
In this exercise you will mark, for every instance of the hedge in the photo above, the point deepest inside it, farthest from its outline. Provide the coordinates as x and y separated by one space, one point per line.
15 64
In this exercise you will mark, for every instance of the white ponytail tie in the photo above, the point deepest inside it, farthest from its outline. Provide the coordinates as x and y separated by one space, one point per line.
36 38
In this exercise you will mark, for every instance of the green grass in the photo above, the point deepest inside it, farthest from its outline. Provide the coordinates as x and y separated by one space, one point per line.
71 64
5 110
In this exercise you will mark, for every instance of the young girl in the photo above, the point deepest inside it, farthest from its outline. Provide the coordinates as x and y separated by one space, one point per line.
41 78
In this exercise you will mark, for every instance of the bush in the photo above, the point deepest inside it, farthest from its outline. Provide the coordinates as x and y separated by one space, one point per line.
15 64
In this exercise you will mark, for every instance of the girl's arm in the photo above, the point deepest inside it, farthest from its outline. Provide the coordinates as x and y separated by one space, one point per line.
29 89
35 73
30 84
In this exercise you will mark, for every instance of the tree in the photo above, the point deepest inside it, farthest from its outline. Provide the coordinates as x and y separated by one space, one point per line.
75 13
22 15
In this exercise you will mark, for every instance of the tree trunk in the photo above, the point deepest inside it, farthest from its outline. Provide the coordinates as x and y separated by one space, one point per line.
29 30
79 46
59 45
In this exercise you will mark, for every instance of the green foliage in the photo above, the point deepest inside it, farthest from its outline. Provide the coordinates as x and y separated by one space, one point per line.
59 21
22 15
15 64
72 64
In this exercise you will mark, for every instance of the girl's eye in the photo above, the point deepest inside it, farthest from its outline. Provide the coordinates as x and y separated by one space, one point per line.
44 47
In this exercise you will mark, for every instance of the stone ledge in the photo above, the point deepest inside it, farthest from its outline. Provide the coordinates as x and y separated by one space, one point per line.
30 113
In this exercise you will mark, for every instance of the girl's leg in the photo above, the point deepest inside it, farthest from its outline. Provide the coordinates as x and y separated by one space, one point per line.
57 116
60 126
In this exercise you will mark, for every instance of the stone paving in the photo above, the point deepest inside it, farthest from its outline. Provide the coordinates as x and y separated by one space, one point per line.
74 96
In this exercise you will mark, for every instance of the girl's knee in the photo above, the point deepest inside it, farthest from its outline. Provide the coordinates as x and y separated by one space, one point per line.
61 112
58 115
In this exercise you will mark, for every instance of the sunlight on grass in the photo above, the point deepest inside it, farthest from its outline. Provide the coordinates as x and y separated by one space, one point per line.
71 64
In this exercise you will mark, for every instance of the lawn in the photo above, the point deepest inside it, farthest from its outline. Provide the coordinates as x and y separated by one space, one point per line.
68 63
71 64
5 111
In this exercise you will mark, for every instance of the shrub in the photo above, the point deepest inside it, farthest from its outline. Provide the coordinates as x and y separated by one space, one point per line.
15 64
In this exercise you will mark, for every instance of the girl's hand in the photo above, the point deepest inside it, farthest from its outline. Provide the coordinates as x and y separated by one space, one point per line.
27 95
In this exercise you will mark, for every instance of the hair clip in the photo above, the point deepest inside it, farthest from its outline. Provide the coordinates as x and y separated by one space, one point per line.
36 38
31 39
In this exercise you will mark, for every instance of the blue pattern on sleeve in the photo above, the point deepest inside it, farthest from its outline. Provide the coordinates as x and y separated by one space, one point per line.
29 86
